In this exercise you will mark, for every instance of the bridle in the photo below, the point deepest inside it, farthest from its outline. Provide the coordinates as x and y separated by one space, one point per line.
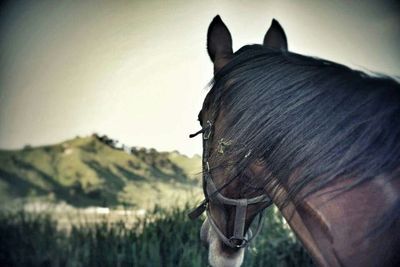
239 239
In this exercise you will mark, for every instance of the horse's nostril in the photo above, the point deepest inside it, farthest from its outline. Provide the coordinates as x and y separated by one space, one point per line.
205 243
204 232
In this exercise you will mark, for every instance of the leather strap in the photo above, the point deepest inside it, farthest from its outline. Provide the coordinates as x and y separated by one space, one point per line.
239 239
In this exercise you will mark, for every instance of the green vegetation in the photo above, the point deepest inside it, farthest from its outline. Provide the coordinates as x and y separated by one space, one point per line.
80 173
90 171
163 238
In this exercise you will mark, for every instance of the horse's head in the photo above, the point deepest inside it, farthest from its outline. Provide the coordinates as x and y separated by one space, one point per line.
319 139
234 195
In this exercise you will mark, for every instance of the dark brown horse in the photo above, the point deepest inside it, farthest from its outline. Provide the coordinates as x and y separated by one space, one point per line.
318 139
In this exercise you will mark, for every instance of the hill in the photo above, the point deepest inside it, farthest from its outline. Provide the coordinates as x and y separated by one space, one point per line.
92 171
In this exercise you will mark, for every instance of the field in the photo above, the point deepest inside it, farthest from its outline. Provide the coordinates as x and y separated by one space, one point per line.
161 238
91 202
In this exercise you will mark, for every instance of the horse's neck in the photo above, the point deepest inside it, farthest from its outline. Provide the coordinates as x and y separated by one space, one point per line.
336 228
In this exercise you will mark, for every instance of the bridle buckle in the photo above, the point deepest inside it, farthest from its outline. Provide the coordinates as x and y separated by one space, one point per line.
207 130
238 242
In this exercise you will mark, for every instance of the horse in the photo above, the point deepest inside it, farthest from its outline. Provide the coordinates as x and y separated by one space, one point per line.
316 138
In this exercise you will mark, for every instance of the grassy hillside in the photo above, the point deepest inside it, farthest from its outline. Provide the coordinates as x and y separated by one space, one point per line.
88 171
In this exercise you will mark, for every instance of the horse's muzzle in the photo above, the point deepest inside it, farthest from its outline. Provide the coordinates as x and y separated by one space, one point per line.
204 233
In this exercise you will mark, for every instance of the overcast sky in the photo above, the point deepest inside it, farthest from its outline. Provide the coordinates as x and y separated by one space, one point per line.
138 70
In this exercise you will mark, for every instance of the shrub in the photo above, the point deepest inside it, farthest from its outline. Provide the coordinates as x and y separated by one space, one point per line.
162 238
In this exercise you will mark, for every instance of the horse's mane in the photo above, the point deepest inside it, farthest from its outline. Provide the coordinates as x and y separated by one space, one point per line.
318 119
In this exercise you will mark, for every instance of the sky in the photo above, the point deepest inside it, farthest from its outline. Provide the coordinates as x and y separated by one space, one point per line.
138 70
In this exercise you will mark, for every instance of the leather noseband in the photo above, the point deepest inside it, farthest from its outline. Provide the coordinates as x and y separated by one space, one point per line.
239 239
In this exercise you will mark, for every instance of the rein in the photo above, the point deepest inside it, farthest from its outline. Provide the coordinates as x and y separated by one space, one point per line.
239 239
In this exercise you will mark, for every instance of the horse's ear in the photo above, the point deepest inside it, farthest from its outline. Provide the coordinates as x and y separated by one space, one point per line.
219 43
276 37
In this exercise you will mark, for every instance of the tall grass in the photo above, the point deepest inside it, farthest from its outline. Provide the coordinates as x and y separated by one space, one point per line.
163 238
